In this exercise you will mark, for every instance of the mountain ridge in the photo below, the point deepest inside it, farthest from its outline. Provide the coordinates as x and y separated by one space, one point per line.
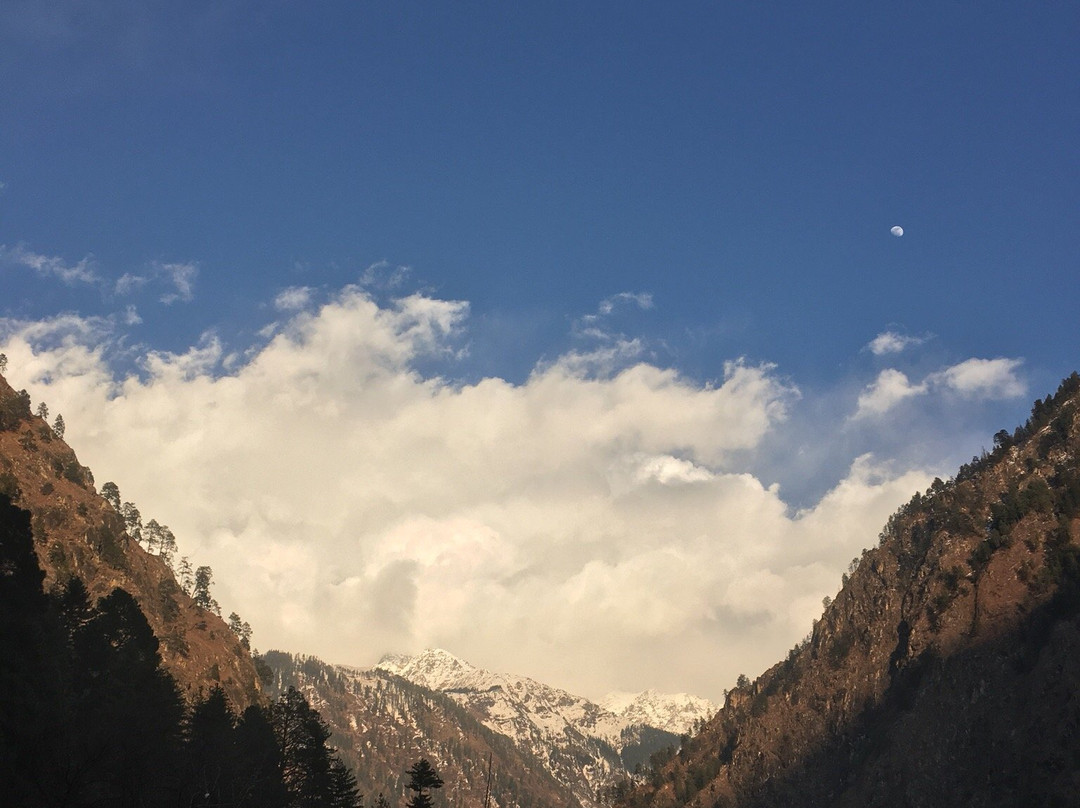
382 723
946 670
439 669
581 743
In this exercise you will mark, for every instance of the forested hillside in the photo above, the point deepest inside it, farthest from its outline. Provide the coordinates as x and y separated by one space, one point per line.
79 533
947 670
91 717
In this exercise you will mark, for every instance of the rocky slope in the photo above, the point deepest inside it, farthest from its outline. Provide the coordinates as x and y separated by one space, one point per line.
585 745
947 670
78 533
382 724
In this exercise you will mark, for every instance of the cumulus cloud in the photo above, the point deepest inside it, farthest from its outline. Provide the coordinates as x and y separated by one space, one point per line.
351 505
985 378
890 342
50 266
889 389
972 378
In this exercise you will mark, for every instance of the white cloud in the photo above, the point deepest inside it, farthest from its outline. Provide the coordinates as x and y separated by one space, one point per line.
643 300
889 389
890 342
128 284
984 378
45 265
384 276
350 505
293 299
604 360
182 276
594 326
972 378
178 278
633 471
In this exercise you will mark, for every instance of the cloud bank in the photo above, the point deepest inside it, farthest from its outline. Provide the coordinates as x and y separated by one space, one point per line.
594 527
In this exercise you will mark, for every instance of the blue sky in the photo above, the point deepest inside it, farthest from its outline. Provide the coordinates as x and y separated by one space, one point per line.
601 185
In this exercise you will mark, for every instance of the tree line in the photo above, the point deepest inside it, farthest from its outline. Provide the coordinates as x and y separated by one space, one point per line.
195 582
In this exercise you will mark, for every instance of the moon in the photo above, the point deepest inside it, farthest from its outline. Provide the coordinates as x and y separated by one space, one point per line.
897 231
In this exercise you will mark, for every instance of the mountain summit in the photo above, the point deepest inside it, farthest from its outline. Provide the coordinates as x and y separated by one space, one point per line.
586 745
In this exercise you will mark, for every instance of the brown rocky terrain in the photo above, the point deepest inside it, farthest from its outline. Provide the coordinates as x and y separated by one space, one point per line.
78 533
947 670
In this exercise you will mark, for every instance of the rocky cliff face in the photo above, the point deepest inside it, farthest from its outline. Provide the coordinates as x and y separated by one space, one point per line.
78 533
584 745
946 671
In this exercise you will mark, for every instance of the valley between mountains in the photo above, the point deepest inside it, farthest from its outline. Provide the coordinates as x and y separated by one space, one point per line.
945 672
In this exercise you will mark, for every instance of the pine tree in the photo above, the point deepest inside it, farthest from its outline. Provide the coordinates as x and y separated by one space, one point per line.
343 789
422 778
58 426
132 520
151 533
186 576
241 628
301 741
258 762
210 750
166 545
111 494
204 577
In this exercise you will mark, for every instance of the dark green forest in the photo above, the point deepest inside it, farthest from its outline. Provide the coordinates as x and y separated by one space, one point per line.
90 717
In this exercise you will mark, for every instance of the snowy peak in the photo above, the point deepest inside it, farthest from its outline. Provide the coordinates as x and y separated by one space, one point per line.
435 669
585 745
672 712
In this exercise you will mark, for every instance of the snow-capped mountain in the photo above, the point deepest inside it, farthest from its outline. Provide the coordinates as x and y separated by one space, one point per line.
586 745
382 724
672 712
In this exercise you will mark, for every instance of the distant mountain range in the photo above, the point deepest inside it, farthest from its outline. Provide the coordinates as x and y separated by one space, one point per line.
570 747
585 745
